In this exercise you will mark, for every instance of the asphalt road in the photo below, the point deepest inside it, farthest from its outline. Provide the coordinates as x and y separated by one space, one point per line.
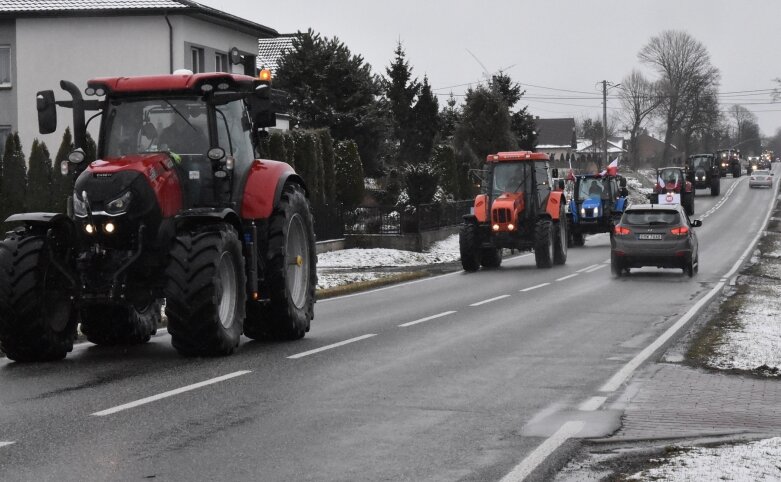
430 380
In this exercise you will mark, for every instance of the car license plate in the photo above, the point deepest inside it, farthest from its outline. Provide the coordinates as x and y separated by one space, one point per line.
649 236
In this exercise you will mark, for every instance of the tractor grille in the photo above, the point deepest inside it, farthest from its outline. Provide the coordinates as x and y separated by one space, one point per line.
502 215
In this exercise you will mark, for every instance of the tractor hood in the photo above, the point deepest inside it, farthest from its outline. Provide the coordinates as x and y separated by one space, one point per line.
591 206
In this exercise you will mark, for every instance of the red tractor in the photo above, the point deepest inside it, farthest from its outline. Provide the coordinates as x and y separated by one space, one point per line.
519 209
177 208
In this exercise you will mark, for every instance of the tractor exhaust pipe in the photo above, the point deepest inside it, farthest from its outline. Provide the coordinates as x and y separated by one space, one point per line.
79 124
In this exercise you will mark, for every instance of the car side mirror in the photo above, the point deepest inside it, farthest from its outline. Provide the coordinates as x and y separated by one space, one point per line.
696 223
47 111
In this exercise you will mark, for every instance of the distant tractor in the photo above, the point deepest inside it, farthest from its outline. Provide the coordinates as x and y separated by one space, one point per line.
704 173
176 208
597 205
518 209
729 162
672 187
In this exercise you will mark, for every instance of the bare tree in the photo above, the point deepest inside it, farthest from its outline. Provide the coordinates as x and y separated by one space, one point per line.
639 99
685 68
742 117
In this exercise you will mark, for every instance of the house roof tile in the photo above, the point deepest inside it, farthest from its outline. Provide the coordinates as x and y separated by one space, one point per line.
21 6
270 51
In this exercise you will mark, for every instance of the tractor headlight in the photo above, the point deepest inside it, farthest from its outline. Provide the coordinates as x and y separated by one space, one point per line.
582 211
79 207
120 204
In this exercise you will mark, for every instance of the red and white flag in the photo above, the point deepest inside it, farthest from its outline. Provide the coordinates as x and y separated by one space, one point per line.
612 168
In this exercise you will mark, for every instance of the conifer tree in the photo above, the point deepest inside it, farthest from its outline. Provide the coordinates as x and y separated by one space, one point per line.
14 181
401 90
276 147
349 174
425 124
329 181
39 177
290 148
306 163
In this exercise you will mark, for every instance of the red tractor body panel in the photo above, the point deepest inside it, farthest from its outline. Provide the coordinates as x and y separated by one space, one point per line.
506 211
157 169
516 156
554 201
481 208
261 187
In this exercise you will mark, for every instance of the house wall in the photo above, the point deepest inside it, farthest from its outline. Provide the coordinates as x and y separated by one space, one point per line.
8 95
78 49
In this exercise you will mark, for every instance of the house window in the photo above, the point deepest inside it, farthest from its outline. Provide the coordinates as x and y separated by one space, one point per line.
4 132
221 62
197 57
5 66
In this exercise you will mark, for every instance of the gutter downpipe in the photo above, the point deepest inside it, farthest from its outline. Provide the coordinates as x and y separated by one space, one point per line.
170 45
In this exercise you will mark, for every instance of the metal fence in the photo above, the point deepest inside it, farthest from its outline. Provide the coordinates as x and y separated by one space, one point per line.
393 220
329 222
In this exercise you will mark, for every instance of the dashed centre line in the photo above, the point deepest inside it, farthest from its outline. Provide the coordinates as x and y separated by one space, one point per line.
489 300
567 277
328 347
599 266
169 393
432 317
587 268
534 287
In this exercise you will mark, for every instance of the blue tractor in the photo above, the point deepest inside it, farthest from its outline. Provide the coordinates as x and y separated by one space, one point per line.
597 204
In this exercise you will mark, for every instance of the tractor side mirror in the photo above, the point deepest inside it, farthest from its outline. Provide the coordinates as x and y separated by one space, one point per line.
47 111
261 109
554 172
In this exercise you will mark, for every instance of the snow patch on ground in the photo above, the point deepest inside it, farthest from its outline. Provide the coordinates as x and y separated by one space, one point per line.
445 251
752 461
757 340
346 266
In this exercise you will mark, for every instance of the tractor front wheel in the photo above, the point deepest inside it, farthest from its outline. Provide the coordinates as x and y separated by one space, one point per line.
469 246
206 291
715 186
560 237
291 278
543 243
688 203
37 316
120 324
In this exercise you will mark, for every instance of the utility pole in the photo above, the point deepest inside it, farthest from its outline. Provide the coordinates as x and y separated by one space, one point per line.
604 124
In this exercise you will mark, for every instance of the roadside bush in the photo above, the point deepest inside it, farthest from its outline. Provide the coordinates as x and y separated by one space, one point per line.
348 171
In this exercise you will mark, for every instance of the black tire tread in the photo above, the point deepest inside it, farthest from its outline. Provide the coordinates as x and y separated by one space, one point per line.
542 240
468 244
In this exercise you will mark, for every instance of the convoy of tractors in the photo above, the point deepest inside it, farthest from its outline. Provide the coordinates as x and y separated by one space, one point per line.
178 213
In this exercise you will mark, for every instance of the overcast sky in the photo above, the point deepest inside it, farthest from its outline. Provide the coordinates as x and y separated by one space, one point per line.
544 44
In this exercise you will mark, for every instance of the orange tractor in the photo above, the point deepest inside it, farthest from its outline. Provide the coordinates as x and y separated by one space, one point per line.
518 209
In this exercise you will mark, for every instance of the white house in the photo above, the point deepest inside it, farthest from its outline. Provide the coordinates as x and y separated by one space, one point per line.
44 41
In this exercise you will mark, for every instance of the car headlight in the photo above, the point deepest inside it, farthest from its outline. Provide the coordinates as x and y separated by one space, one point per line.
120 204
79 206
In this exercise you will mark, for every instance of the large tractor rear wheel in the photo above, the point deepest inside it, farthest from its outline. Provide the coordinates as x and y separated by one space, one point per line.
469 246
37 317
491 257
715 186
120 324
291 277
560 237
543 243
206 291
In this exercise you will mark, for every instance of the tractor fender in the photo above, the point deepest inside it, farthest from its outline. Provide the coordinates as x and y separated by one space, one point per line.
201 216
620 205
573 210
469 218
552 208
41 222
263 188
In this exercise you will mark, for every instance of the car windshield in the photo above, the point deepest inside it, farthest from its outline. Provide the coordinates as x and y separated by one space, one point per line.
512 177
592 187
156 125
651 217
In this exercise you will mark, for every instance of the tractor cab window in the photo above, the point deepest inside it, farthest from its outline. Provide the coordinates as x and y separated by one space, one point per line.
511 177
671 177
700 163
156 125
592 187
541 173
233 131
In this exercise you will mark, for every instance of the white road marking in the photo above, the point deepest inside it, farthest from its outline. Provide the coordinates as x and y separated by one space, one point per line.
599 266
587 268
335 345
592 404
626 371
527 465
170 393
567 277
432 317
489 300
5 444
534 287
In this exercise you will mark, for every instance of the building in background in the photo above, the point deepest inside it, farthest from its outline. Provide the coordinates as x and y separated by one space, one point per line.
43 41
556 137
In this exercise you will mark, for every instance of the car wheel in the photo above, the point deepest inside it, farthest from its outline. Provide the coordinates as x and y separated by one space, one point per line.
616 266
